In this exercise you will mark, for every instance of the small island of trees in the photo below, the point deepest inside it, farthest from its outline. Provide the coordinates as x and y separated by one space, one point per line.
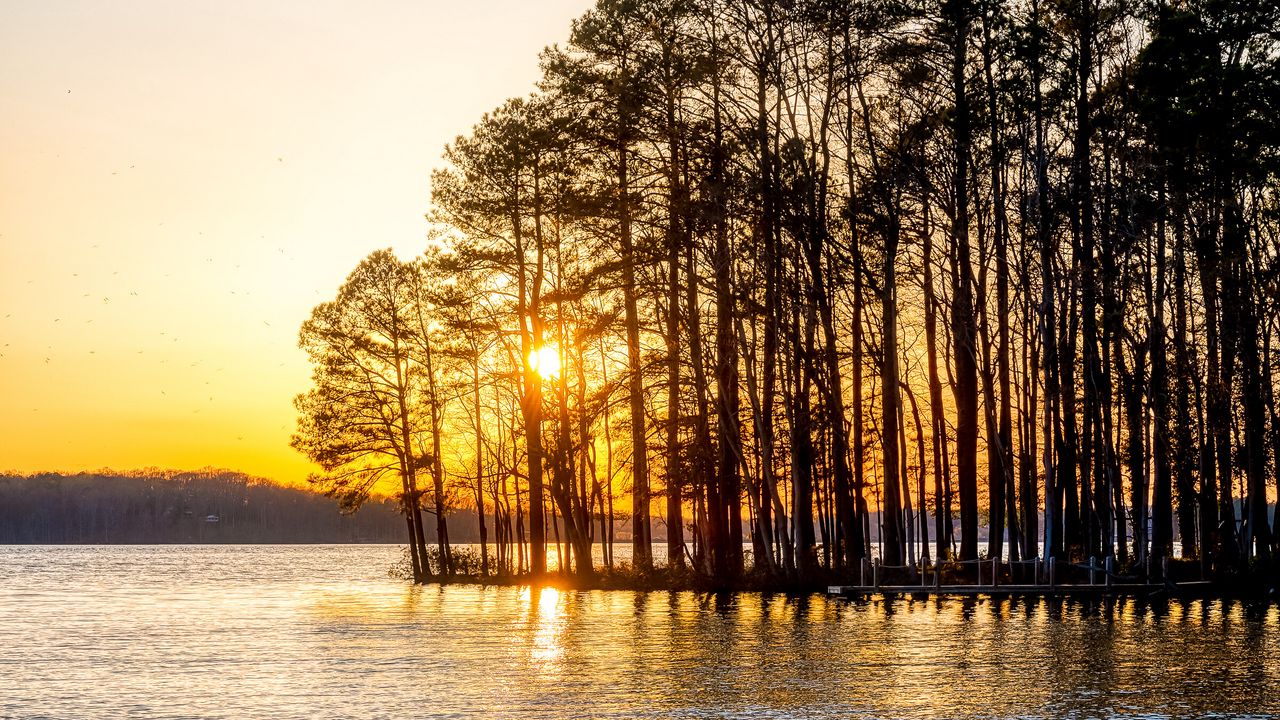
798 283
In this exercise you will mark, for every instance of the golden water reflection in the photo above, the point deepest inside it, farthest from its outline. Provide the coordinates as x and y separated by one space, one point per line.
546 626
283 632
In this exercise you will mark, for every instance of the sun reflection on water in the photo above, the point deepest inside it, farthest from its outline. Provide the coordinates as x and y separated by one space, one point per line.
546 621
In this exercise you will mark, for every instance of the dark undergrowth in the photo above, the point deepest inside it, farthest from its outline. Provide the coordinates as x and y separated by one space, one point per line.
1256 583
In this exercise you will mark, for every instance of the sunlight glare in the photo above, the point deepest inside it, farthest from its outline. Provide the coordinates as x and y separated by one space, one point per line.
547 617
545 361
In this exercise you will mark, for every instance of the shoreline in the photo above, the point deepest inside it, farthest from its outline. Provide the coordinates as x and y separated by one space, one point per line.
1251 589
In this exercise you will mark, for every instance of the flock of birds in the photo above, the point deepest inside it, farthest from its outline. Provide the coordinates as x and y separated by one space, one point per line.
49 357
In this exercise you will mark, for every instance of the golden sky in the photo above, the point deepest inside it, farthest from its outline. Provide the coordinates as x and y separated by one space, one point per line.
181 182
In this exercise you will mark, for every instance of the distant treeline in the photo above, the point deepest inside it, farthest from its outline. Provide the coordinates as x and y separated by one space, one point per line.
207 506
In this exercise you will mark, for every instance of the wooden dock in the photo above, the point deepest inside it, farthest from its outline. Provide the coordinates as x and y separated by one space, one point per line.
1038 590
1102 581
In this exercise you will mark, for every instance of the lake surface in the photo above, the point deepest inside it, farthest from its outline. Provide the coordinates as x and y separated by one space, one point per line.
322 631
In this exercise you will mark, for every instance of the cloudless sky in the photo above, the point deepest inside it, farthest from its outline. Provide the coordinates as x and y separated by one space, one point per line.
181 182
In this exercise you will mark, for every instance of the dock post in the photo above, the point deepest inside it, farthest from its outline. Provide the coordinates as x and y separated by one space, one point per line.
1164 569
924 571
1053 571
862 572
995 572
875 573
1093 580
1109 567
1035 578
937 576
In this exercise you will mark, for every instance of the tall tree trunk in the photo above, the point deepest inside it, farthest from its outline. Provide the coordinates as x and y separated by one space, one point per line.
1162 489
1186 449
937 414
802 455
641 545
675 519
701 454
729 433
892 542
527 309
963 320
1001 488
768 235
437 466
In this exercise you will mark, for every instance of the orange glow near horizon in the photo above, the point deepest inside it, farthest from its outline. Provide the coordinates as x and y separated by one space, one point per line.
183 182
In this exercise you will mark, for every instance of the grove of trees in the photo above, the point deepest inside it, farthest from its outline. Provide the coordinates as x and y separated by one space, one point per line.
800 282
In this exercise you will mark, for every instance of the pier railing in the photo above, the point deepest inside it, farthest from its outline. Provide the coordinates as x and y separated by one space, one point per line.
953 577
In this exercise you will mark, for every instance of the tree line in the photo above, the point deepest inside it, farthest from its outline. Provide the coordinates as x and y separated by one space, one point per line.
829 280
162 506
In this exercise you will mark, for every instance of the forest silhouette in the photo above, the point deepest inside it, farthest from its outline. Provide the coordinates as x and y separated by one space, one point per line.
804 283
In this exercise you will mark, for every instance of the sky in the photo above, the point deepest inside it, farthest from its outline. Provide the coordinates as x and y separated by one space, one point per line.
181 182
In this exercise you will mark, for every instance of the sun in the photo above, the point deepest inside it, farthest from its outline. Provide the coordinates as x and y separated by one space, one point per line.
545 361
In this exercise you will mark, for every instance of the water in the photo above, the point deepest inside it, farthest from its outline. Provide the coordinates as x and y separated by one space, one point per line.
321 631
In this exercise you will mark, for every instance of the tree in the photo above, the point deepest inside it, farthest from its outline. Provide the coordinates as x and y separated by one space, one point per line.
366 416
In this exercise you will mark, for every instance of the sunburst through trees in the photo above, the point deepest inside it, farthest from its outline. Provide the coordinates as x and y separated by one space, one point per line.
808 277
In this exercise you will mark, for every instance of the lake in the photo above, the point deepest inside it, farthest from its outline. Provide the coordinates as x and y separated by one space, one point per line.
323 631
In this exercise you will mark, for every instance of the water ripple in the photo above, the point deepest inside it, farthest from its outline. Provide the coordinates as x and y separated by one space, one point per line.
321 631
